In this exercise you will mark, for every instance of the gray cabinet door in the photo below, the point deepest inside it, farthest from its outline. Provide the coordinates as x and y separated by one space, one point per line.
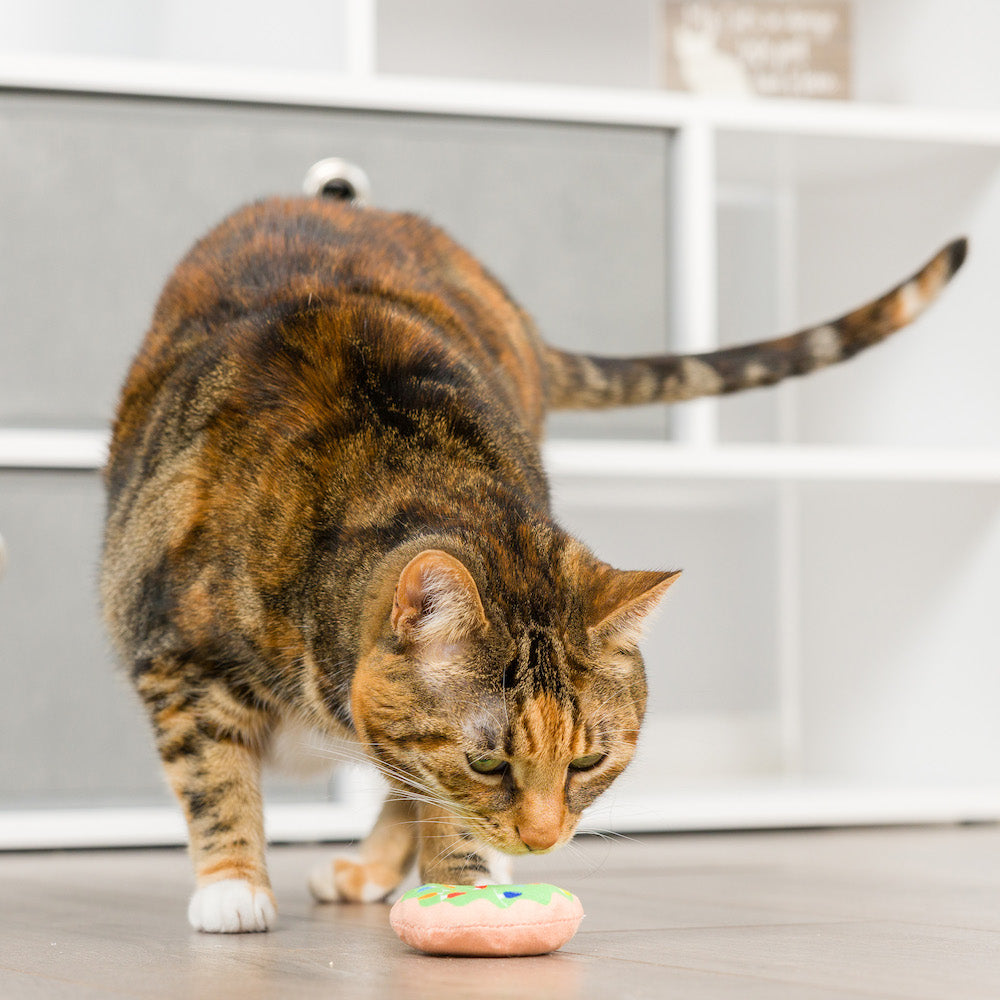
71 732
99 197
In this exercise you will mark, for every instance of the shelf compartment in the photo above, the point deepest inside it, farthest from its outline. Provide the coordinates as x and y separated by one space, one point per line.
520 195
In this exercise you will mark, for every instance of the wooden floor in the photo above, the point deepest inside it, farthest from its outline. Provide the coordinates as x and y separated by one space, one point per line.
907 913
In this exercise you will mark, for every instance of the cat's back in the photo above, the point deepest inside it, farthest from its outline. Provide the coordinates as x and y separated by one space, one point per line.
283 250
228 302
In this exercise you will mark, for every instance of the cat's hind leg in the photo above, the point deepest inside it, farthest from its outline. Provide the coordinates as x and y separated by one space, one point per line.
209 741
383 859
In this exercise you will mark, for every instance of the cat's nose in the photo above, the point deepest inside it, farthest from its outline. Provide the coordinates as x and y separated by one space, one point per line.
538 838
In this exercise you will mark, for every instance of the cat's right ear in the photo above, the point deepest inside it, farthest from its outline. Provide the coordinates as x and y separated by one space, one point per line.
436 601
622 600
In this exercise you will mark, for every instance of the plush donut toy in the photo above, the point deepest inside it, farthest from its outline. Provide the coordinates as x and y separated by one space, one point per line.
486 919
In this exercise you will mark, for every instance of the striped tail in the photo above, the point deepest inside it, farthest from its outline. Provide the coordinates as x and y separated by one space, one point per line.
580 381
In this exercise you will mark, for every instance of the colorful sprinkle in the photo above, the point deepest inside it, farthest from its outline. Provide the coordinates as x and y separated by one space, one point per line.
501 896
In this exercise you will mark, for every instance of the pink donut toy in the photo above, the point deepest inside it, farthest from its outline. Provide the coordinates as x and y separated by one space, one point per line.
492 920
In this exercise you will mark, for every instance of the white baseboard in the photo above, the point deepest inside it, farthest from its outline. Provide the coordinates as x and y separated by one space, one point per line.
763 804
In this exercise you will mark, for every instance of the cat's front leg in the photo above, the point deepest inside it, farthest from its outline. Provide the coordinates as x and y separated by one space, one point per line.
451 854
219 788
209 746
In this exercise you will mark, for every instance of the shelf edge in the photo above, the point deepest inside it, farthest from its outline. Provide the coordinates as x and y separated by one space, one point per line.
464 97
653 460
36 448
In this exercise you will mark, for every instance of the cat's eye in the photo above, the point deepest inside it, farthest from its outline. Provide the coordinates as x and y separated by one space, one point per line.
586 763
487 765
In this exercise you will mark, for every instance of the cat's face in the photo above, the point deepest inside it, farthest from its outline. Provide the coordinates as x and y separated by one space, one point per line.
516 725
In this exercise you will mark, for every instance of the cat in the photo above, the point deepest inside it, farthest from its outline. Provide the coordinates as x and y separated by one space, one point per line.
326 512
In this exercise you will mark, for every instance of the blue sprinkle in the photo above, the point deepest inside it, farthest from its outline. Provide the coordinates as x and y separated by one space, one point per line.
512 895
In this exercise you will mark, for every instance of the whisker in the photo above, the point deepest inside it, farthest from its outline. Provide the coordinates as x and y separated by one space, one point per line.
445 853
592 866
612 835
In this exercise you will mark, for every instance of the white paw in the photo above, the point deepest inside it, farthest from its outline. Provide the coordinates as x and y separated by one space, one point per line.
350 880
231 906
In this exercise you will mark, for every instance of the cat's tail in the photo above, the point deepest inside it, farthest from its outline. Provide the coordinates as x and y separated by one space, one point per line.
579 381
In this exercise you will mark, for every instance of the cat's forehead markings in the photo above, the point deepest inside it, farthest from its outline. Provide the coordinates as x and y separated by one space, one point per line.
547 724
545 660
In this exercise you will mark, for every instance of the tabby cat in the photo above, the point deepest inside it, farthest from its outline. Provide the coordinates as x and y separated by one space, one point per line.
327 512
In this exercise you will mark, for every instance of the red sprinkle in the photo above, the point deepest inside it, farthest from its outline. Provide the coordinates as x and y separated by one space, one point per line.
452 895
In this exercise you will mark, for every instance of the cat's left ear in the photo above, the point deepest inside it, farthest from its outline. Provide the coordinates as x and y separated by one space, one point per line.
622 600
436 600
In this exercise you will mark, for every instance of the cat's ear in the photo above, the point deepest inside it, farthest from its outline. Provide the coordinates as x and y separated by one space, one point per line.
436 600
621 600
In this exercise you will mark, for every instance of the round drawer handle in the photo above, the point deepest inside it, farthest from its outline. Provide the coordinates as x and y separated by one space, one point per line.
336 178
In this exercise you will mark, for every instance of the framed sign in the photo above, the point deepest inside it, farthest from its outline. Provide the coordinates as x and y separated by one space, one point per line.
729 48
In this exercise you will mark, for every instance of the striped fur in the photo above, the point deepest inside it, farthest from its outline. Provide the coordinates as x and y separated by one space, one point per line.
327 512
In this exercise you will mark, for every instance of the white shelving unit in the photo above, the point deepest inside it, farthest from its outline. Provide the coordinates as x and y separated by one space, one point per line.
812 505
